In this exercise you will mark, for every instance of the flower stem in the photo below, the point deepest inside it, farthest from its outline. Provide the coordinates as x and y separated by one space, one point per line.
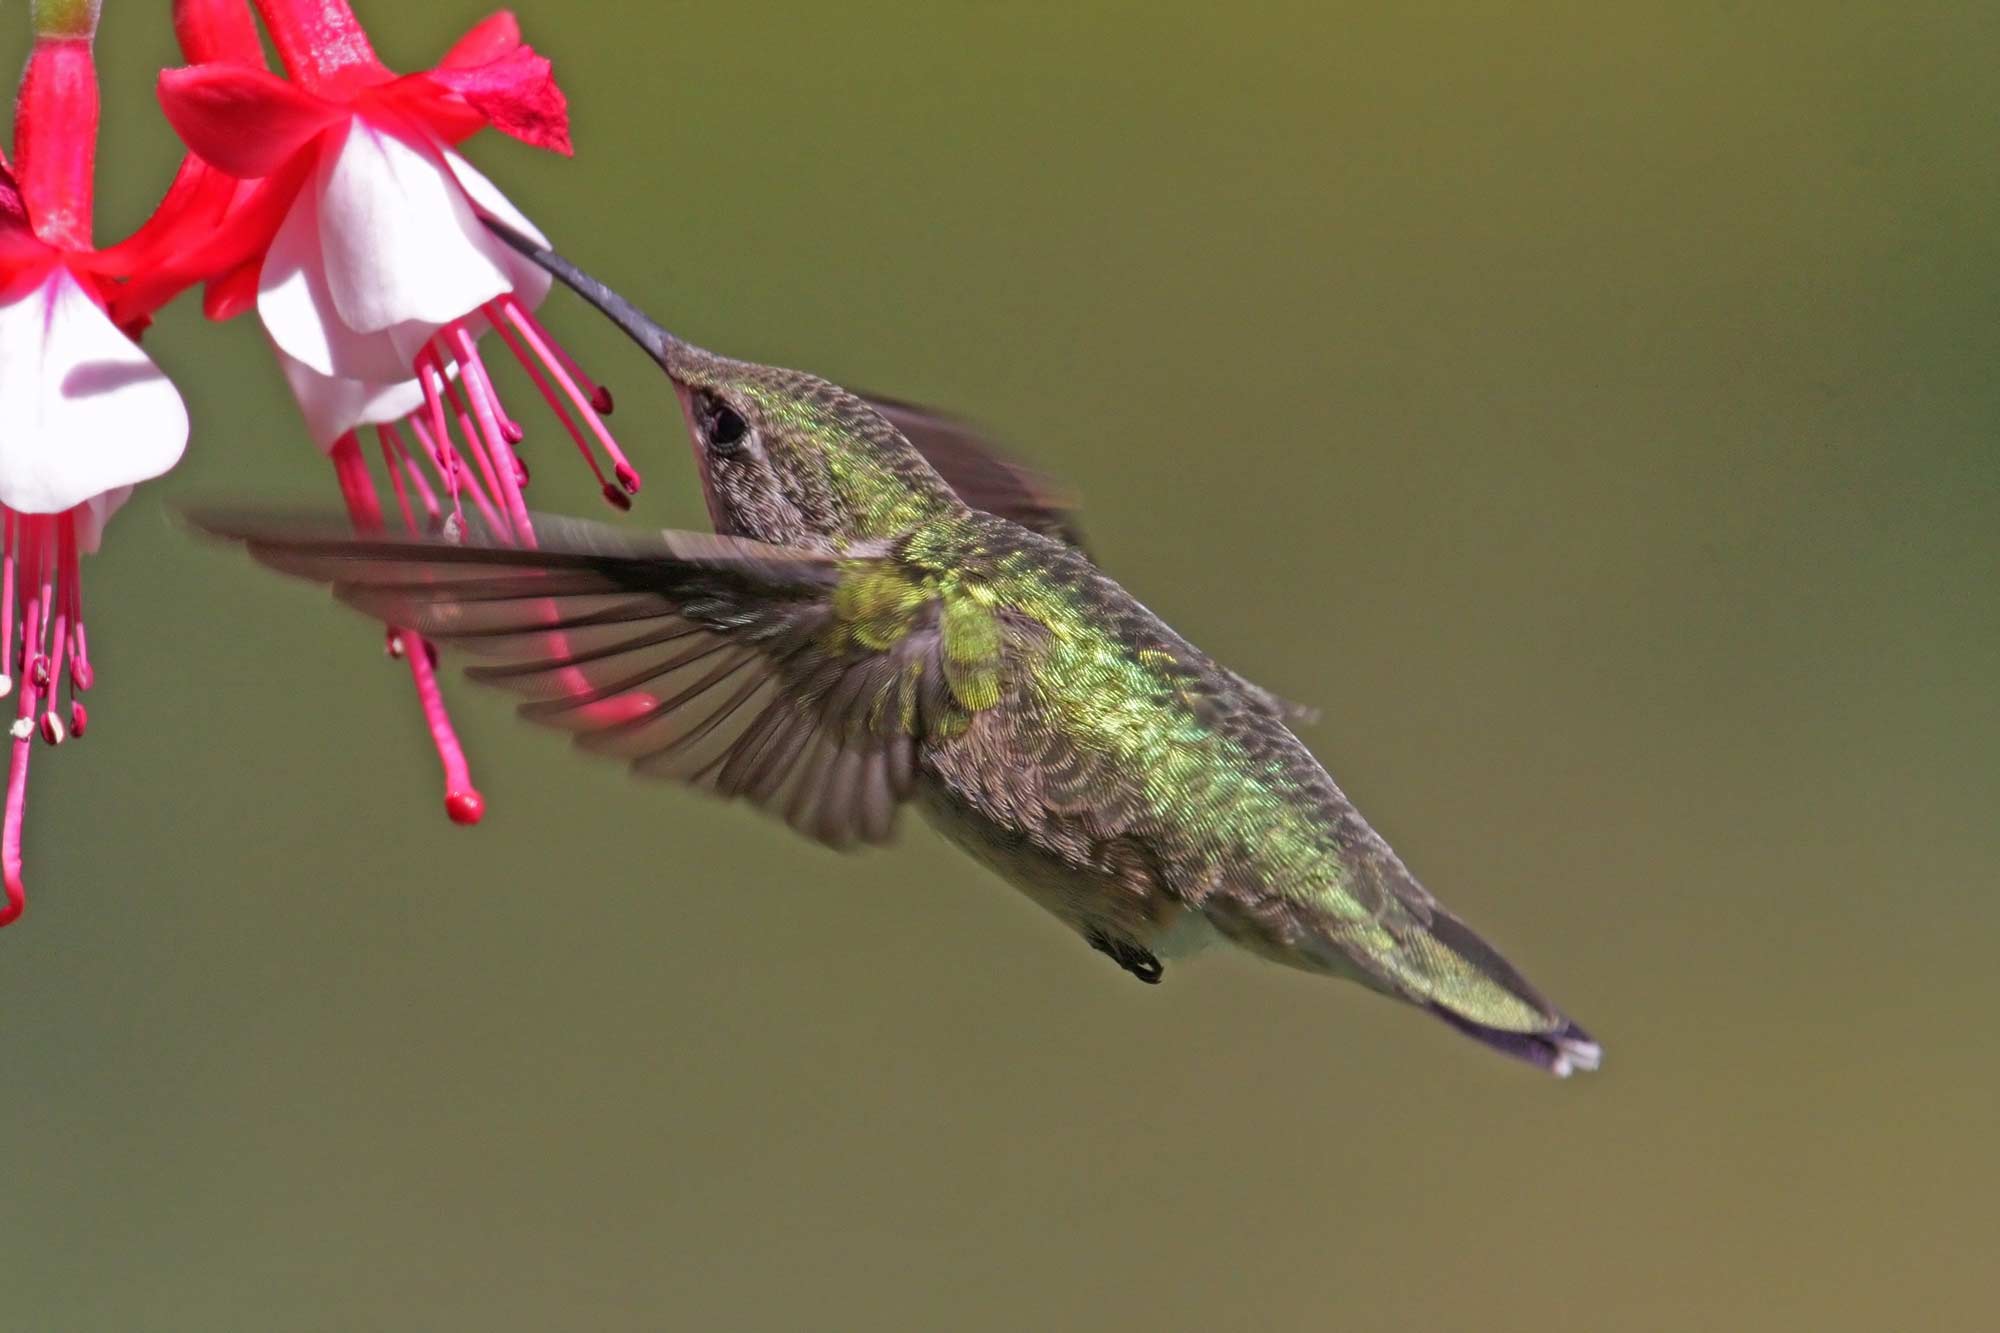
55 123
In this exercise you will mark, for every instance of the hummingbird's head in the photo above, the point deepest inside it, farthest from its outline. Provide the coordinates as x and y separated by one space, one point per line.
788 458
784 457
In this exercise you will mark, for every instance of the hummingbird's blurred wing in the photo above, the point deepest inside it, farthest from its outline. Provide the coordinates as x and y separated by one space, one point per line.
797 681
987 477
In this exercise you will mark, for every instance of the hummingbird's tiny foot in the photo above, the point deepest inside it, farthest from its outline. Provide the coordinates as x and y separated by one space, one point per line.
1139 962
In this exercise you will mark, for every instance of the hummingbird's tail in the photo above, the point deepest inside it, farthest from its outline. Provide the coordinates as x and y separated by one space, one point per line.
1464 980
1412 947
1561 1052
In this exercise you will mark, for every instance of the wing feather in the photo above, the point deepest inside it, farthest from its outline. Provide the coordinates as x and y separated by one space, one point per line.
712 661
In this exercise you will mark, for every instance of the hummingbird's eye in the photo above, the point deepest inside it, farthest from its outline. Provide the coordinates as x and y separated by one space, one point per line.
726 428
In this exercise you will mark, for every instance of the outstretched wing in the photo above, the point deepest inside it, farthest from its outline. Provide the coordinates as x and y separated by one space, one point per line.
797 681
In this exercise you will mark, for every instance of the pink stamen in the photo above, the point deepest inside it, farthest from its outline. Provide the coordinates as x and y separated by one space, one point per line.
506 480
599 396
52 726
531 333
81 674
485 484
81 677
438 442
556 405
396 481
396 456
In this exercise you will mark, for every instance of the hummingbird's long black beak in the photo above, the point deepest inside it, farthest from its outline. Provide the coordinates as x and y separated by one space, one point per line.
662 346
675 357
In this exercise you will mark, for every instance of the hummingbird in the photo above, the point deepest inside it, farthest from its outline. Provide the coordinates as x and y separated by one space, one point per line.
891 611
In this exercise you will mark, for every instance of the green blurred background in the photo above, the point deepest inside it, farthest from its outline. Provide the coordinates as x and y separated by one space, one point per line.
1593 409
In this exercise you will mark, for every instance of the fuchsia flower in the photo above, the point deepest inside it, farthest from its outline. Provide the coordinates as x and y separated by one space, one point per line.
84 415
354 228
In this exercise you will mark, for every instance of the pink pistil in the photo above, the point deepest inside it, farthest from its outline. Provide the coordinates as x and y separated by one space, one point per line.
462 801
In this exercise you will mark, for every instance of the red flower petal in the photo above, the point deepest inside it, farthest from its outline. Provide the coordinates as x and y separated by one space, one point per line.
235 241
218 30
517 94
438 109
234 292
493 37
247 122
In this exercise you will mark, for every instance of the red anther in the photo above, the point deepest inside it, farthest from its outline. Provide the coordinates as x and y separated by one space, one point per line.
628 477
601 400
52 729
521 473
39 672
82 676
79 718
619 500
465 807
512 431
392 643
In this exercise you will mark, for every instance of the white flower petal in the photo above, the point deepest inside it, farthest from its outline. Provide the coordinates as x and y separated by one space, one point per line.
82 410
97 512
400 238
529 279
332 406
296 304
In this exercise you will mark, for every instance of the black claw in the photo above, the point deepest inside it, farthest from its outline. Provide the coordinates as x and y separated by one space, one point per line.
1139 962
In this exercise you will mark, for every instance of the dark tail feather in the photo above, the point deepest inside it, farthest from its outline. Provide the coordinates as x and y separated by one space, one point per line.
1561 1052
1561 1048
